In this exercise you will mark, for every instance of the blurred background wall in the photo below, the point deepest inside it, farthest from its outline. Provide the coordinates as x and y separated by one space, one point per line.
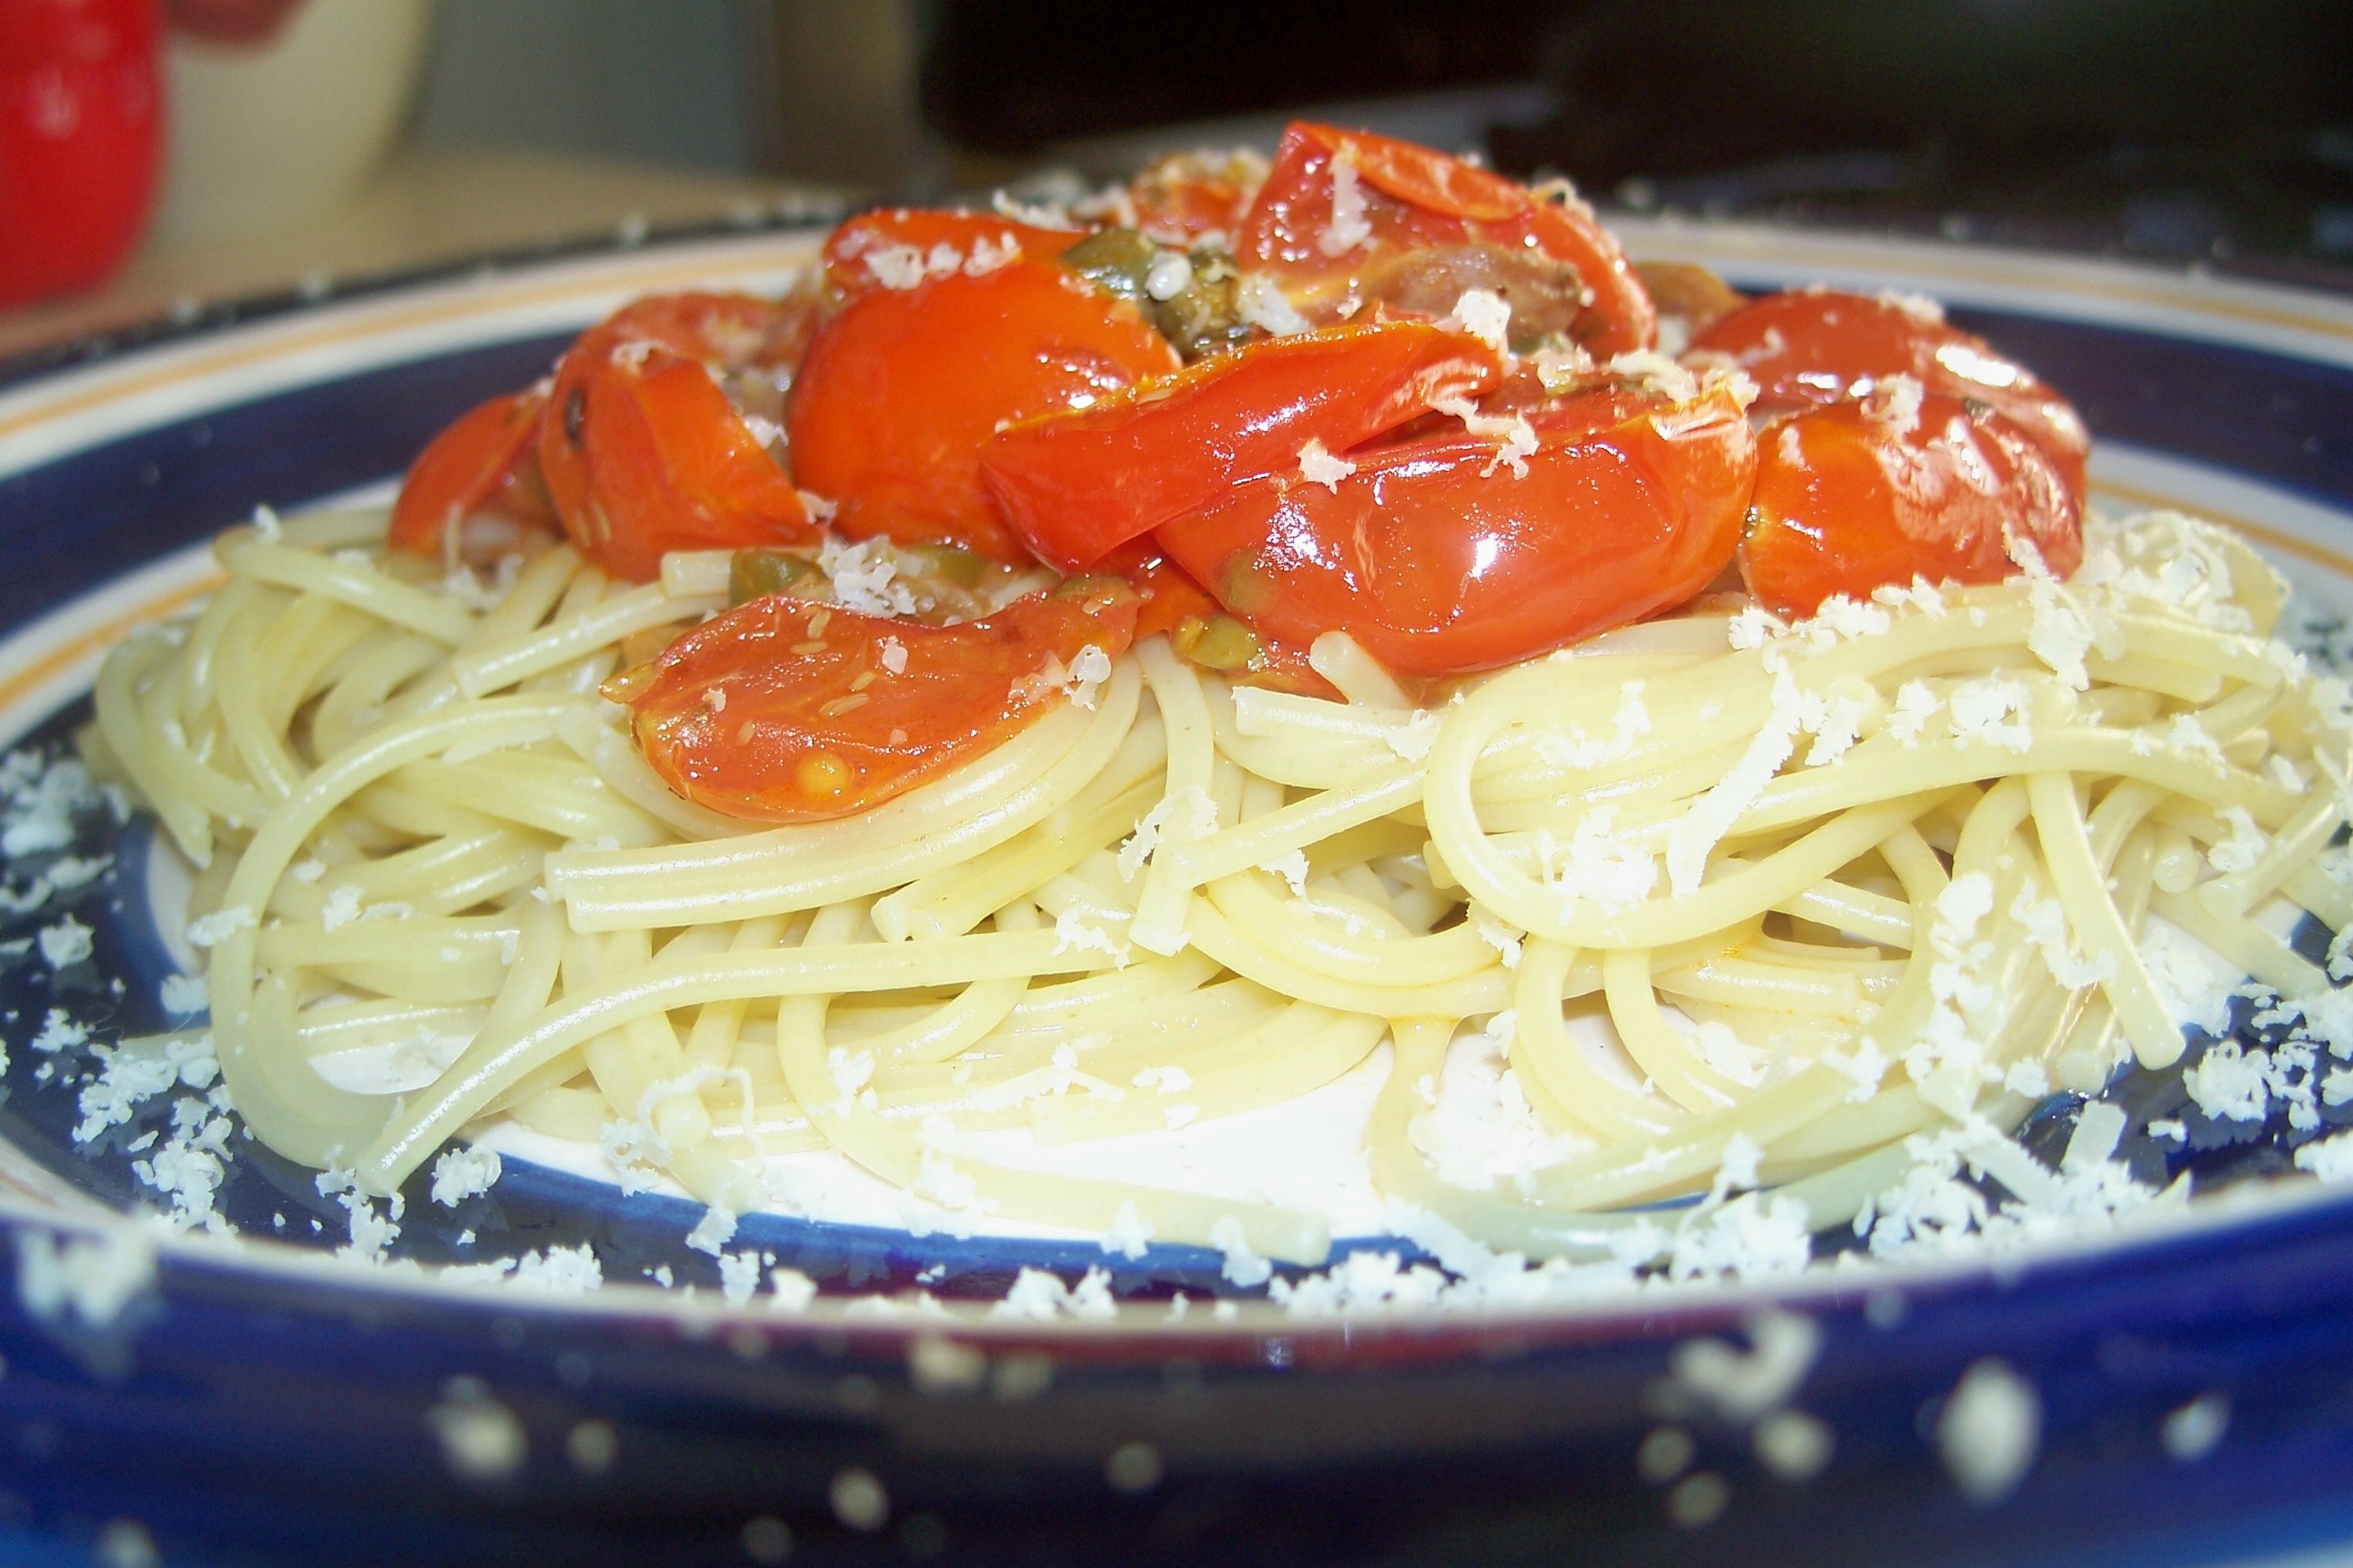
2213 129
2167 126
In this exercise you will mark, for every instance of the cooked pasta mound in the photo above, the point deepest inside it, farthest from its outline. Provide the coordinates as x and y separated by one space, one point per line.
1751 906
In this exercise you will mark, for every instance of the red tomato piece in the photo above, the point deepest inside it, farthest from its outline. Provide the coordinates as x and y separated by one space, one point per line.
80 129
900 390
1438 559
785 711
1168 596
1188 196
1420 207
644 454
1076 485
1861 495
1806 349
892 247
729 333
472 466
644 450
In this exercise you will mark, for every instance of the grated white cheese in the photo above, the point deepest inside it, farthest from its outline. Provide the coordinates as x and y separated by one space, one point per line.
66 943
59 1032
1483 315
1919 307
2230 1082
1988 1431
739 1277
463 1174
790 1290
1894 402
94 1278
1754 1236
1505 938
1074 932
1170 274
1318 467
1348 229
1190 806
1291 867
185 994
2193 1431
342 908
128 1078
1753 627
1243 1266
2331 1158
1259 300
220 925
1041 1297
2243 847
863 576
1608 869
713 1231
1130 1233
2045 923
1995 712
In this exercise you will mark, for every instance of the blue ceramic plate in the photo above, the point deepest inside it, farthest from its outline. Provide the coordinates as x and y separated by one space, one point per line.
254 1399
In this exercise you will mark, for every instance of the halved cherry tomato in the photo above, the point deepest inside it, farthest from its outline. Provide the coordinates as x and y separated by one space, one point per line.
1418 205
891 247
1438 559
1862 495
791 712
643 449
1687 289
900 391
482 462
1808 348
1075 485
1167 596
1186 196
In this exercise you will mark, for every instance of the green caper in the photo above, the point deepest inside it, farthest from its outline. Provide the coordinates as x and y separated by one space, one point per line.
944 562
1220 642
1114 260
755 572
1200 317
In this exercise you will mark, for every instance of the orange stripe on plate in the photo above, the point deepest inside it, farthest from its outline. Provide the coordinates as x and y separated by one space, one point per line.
14 688
377 325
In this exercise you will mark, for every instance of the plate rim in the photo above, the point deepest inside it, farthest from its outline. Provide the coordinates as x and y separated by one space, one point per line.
418 317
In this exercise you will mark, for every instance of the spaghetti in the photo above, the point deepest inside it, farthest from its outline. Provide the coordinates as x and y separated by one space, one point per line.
1752 904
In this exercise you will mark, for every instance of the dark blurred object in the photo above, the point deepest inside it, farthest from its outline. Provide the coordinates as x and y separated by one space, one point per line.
2157 127
2167 126
80 138
232 21
1010 79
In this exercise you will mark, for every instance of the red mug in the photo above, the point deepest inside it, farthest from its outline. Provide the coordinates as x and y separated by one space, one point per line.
80 140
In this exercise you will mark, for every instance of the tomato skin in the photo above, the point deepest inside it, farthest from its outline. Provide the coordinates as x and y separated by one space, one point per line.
849 250
1629 506
1166 598
1808 348
900 390
472 461
783 711
1188 196
641 448
1847 501
1418 200
1076 485
80 139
